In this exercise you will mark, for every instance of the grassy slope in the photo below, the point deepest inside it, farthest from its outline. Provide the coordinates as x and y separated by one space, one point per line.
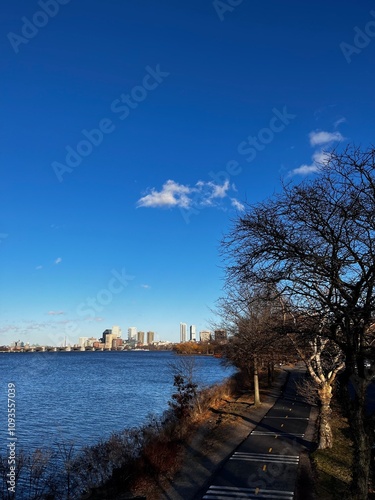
333 466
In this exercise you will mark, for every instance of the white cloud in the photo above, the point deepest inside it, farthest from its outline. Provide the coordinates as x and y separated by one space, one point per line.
173 194
39 267
58 260
55 313
237 205
217 190
146 286
319 160
318 138
319 157
305 170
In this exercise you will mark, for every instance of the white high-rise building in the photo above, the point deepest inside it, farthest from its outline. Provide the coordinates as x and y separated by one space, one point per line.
116 331
193 333
183 328
132 333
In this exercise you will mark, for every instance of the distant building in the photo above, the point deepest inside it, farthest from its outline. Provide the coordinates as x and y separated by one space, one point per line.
132 333
141 337
183 328
90 341
108 340
117 342
150 337
105 333
82 341
193 333
116 330
220 335
205 336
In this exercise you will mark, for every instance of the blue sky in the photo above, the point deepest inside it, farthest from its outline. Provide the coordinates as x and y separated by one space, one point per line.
132 133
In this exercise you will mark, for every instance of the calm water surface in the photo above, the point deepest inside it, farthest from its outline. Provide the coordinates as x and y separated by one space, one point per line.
85 396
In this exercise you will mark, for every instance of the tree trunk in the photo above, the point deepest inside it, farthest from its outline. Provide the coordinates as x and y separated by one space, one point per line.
256 383
325 430
269 374
361 440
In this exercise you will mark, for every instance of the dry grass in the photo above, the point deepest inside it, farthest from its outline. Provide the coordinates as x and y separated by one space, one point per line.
333 466
163 454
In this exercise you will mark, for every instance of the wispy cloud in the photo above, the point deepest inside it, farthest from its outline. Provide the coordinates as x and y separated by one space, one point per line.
319 157
97 319
237 205
319 138
58 260
55 313
217 190
174 194
339 121
39 267
146 286
305 170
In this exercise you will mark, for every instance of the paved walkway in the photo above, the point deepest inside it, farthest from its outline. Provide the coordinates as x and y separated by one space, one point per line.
199 467
265 465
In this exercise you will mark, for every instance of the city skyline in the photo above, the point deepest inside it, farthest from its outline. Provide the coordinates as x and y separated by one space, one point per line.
129 146
133 336
109 335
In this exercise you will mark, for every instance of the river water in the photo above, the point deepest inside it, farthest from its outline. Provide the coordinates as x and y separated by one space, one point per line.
82 397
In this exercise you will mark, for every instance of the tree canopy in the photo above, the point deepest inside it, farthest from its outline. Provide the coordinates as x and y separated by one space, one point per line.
315 244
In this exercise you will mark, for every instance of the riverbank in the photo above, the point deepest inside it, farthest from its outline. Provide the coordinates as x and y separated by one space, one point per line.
211 440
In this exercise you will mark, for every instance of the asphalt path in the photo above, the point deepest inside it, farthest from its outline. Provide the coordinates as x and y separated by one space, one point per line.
265 465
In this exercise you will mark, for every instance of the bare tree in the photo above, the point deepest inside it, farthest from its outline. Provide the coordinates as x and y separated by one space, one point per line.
324 361
251 318
316 242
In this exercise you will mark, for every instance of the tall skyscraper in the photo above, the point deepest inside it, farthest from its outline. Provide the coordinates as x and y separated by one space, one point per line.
183 328
193 333
150 337
132 333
